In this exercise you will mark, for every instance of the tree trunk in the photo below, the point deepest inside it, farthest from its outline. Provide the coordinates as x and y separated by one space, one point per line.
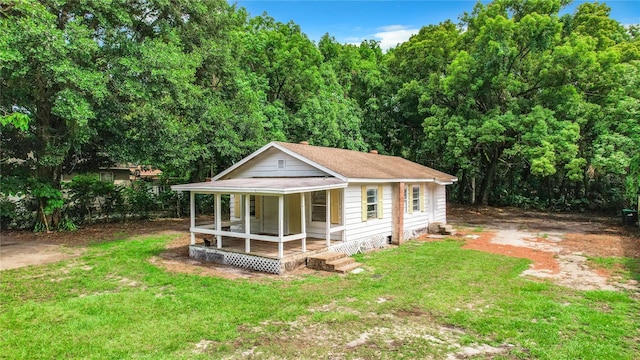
487 182
48 162
473 190
49 175
461 186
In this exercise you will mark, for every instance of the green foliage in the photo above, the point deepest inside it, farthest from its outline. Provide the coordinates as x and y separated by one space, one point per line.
50 198
19 120
141 199
174 204
87 195
8 211
515 99
17 213
524 102
67 225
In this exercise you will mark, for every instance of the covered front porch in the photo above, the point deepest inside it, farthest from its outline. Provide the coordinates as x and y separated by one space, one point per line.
270 217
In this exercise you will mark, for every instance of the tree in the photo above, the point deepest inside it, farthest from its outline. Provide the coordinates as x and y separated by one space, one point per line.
50 74
359 70
522 104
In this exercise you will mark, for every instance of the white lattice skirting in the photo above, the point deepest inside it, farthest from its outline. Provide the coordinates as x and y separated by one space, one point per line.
258 263
360 246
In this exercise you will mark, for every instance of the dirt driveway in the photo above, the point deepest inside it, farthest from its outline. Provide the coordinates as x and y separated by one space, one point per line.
24 248
558 244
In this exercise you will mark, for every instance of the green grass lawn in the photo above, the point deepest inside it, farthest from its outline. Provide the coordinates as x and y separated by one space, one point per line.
416 301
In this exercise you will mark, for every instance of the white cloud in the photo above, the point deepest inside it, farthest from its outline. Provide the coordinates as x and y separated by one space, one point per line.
392 35
392 28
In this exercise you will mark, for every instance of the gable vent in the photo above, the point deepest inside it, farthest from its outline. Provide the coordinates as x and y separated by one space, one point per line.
281 164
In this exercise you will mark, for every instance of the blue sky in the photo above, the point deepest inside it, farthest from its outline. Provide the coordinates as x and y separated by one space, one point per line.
389 22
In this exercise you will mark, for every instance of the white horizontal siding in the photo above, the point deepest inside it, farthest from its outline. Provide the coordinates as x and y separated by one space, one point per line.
440 200
358 229
266 165
416 221
319 233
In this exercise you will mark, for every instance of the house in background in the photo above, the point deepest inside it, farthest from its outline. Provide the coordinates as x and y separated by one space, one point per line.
121 174
286 200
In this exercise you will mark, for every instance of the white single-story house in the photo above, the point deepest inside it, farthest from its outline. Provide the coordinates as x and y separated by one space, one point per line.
288 194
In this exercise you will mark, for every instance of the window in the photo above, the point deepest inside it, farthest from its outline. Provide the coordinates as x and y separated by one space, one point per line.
319 206
372 203
371 199
252 205
415 192
106 176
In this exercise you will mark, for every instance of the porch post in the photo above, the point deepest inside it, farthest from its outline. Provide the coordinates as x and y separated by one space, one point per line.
218 207
192 204
303 223
327 221
280 226
247 223
343 218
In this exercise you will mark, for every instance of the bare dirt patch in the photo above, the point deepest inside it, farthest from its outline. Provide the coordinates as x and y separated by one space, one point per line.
542 260
25 248
557 244
603 245
360 335
101 232
176 259
14 254
514 218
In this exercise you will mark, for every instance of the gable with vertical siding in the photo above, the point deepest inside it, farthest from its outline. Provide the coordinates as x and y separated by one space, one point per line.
274 163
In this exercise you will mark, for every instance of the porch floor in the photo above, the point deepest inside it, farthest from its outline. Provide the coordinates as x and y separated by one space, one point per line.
268 249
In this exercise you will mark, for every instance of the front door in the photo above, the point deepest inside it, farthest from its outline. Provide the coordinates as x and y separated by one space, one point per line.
294 218
270 215
431 206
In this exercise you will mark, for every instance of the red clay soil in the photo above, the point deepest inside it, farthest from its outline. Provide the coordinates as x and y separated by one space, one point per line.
541 260
603 245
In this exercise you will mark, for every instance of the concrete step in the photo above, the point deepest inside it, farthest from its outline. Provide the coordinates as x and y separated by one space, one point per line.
333 264
319 261
347 267
447 229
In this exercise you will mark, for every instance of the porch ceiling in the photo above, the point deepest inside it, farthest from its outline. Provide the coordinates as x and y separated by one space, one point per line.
274 185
